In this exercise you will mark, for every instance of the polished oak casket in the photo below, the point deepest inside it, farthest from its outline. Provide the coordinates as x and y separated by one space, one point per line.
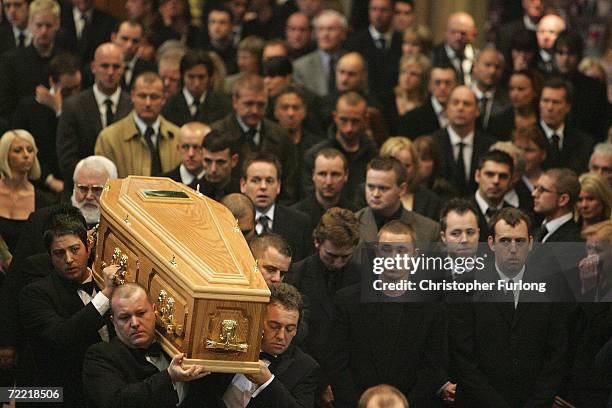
190 255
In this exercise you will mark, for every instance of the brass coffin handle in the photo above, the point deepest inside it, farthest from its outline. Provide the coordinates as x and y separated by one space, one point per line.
164 314
227 338
122 261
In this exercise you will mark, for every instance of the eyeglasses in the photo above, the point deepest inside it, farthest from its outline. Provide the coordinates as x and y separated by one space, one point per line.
542 190
96 189
196 148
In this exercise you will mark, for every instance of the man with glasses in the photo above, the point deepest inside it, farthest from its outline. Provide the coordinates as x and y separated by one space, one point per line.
15 34
510 353
554 197
144 142
189 146
252 132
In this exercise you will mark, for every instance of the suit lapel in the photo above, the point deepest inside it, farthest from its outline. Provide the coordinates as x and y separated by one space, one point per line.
368 226
91 106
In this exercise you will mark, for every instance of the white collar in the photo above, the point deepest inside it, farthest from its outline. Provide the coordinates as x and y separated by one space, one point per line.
549 132
78 13
437 106
512 198
142 126
455 138
187 177
377 35
545 55
529 25
189 97
269 213
468 52
101 97
554 225
483 205
480 94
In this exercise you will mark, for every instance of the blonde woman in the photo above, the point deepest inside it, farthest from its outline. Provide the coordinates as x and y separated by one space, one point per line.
595 200
18 197
417 198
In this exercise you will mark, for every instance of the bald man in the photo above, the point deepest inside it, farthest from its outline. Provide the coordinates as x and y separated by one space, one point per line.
380 45
457 48
461 143
549 28
189 146
85 115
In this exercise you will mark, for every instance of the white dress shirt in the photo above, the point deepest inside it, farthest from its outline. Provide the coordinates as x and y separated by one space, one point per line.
101 98
516 279
468 148
554 225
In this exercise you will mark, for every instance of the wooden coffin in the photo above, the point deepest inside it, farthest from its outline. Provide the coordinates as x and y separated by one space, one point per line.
190 255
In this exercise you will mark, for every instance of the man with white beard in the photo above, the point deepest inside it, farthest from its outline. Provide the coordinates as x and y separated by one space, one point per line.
90 175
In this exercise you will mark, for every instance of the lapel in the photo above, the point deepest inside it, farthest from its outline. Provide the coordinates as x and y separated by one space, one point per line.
287 360
447 153
91 106
124 107
314 273
368 225
318 72
183 108
371 321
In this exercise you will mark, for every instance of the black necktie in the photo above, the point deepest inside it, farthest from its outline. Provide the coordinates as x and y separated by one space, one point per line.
460 56
509 294
274 360
155 160
196 104
331 80
542 232
555 149
110 116
250 134
461 167
87 287
491 212
21 40
382 44
263 220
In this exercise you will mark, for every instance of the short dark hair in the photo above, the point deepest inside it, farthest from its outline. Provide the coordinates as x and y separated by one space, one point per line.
130 22
125 291
194 58
497 156
63 64
351 98
64 220
216 141
338 226
556 82
389 164
260 243
264 157
286 295
276 66
330 153
458 205
291 89
445 66
572 40
532 133
512 217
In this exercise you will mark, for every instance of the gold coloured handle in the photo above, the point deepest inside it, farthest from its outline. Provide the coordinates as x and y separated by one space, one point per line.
164 314
227 338
122 261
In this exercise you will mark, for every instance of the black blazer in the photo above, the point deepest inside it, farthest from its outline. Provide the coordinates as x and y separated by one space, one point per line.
113 377
382 65
59 329
506 357
294 385
419 121
448 170
502 124
309 277
575 153
294 227
98 31
7 39
273 139
139 67
311 207
215 107
426 202
174 174
78 129
406 349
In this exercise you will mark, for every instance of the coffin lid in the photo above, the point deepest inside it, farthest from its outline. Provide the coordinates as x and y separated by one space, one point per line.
185 232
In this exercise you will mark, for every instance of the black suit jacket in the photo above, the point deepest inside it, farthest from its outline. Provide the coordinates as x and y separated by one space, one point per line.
59 329
506 357
311 207
590 107
309 276
174 174
113 377
41 122
294 227
575 153
502 124
448 167
140 66
295 381
21 71
419 121
7 39
407 348
215 107
273 139
382 65
98 31
78 129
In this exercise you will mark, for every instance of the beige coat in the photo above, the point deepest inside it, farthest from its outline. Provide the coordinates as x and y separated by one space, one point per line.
126 147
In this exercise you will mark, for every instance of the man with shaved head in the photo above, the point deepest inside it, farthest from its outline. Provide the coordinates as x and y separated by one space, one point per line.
461 143
189 145
380 45
242 208
457 48
549 28
86 114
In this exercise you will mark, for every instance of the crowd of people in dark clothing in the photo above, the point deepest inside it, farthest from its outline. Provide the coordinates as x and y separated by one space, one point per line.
333 131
